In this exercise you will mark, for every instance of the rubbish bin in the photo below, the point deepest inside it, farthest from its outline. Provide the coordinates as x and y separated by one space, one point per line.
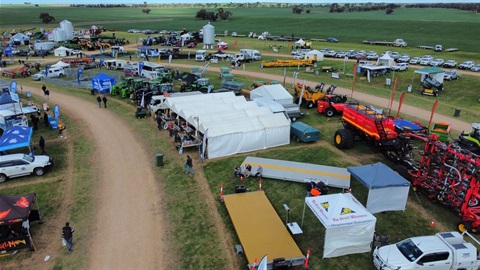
159 160
409 89
457 112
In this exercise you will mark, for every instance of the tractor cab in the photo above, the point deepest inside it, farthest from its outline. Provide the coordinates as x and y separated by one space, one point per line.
471 141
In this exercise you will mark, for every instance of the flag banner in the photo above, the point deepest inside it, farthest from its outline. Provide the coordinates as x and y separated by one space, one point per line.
402 97
142 103
79 74
47 68
13 87
170 59
368 75
140 67
235 44
101 62
204 144
56 111
433 112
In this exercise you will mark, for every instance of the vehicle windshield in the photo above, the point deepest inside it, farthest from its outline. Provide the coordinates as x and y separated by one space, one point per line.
409 249
28 158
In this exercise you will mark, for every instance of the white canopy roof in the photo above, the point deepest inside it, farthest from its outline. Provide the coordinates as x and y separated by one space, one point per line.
275 92
61 64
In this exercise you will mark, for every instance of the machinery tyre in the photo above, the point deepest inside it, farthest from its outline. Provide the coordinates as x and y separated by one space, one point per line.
464 226
39 171
402 170
343 139
60 75
296 100
329 112
294 119
3 178
310 104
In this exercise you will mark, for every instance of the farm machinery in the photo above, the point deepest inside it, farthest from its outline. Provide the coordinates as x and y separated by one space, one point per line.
22 72
332 104
311 96
471 141
289 63
447 173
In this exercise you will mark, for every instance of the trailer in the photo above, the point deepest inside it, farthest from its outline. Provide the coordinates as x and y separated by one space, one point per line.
397 42
289 63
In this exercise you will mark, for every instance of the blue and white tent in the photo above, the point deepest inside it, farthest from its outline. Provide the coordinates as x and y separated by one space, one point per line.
103 83
387 189
16 137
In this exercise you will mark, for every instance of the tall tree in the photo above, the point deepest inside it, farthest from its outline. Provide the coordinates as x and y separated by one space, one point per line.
46 18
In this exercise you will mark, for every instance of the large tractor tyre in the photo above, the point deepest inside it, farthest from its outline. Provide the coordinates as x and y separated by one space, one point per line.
343 139
402 170
310 104
464 226
329 112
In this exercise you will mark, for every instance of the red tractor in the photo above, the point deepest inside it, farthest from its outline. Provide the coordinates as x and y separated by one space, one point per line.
331 104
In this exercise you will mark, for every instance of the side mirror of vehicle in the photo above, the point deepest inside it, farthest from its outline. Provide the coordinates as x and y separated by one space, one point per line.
420 263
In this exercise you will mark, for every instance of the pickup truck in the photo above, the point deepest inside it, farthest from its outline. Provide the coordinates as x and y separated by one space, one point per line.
442 251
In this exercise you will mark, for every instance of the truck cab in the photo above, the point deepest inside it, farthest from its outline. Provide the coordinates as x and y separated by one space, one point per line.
442 251
201 55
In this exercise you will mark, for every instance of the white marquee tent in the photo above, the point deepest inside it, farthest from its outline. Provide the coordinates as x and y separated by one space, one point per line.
61 51
385 60
61 64
242 127
275 92
349 226
314 53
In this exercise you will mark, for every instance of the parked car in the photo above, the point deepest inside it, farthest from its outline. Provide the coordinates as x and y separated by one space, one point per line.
450 64
451 75
372 56
438 48
351 54
331 53
332 39
340 54
299 56
414 61
400 67
475 68
437 62
395 55
54 72
466 65
404 58
16 165
425 60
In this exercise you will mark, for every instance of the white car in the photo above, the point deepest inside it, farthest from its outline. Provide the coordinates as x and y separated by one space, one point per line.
451 75
450 63
299 56
437 62
414 60
372 56
400 67
466 65
16 165
475 68
404 58
425 61
54 72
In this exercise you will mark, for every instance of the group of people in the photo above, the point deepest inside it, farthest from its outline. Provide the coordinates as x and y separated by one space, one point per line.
317 189
247 171
99 101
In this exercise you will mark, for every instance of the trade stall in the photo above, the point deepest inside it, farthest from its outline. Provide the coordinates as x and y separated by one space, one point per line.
16 213
349 226
256 131
387 189
61 51
103 83
435 73
16 137
260 229
275 92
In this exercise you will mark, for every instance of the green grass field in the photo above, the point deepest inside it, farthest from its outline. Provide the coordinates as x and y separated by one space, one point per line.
197 242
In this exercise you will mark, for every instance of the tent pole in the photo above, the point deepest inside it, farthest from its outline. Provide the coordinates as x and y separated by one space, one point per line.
303 215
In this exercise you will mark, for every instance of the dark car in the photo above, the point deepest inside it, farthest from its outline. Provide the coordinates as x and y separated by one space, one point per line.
332 39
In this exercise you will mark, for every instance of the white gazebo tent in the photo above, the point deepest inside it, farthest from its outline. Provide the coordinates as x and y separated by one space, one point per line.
61 64
387 189
299 43
434 72
385 60
314 53
275 92
349 226
61 51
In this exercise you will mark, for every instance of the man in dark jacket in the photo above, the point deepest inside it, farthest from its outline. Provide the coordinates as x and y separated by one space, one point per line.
41 143
104 101
67 234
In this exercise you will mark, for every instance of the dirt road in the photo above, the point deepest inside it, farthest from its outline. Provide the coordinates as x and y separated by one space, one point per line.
128 209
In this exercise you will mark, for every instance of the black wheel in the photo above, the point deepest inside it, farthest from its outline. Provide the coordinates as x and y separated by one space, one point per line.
296 100
60 75
329 112
3 178
402 170
293 119
343 139
39 171
464 226
310 105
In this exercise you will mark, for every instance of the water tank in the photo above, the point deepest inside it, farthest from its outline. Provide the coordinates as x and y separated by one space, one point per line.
208 36
58 34
68 28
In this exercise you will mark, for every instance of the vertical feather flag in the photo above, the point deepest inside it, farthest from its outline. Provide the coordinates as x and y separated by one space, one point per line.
79 74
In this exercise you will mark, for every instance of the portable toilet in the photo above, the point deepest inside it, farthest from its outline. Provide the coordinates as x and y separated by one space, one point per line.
302 132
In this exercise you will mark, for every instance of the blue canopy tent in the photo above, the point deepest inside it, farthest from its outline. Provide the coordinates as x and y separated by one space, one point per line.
103 83
16 137
387 190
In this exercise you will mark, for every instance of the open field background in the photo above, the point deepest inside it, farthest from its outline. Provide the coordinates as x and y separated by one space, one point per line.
197 244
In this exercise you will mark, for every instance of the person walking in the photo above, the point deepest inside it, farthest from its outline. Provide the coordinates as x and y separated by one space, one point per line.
104 101
99 100
47 94
45 119
41 144
67 234
189 165
44 89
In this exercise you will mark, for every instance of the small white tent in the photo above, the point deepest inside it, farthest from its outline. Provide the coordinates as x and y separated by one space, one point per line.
435 72
61 64
385 60
299 43
387 190
20 39
314 53
61 51
349 226
275 92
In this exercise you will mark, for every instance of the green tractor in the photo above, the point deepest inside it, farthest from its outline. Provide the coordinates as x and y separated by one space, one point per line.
117 88
471 141
201 84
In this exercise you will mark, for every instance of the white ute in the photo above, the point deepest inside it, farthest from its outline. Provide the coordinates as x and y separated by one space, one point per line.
442 251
